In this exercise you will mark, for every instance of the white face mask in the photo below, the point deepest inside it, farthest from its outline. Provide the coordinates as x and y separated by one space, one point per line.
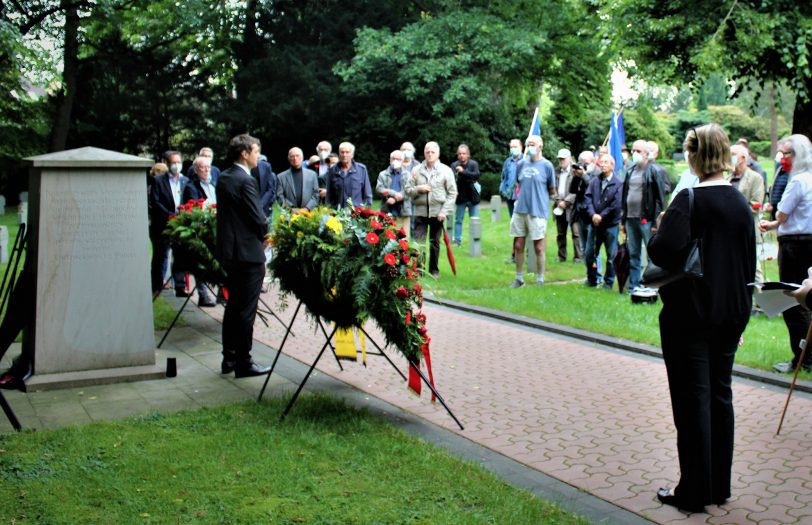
323 155
531 151
396 165
637 157
734 160
651 156
175 168
407 155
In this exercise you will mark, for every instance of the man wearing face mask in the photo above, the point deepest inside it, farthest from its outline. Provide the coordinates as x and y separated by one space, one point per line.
536 178
507 182
409 163
653 152
783 168
166 195
749 184
563 208
394 200
323 150
641 205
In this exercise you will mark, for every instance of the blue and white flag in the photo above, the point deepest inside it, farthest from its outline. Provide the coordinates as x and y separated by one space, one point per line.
616 133
535 125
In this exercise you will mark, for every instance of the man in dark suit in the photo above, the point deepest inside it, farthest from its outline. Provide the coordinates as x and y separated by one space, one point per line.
297 187
241 229
165 196
266 181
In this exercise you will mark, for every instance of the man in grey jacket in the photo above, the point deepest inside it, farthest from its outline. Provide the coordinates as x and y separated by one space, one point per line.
298 187
394 200
431 187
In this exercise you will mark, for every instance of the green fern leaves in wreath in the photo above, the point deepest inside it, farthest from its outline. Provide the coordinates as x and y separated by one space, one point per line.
350 266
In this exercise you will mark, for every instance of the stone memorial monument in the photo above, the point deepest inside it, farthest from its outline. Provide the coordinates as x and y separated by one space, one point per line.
89 249
3 244
2 205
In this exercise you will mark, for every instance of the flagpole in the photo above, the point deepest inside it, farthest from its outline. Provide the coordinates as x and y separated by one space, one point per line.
619 113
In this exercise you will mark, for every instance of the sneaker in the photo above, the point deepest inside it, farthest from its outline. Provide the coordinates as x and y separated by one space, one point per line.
517 284
540 283
784 368
577 260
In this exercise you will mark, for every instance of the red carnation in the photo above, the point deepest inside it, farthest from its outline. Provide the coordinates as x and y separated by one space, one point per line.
372 238
390 259
405 259
365 212
757 206
643 221
213 206
418 289
402 233
402 293
390 235
404 245
375 225
201 202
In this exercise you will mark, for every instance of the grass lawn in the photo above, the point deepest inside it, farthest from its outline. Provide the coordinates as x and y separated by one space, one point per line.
565 300
326 463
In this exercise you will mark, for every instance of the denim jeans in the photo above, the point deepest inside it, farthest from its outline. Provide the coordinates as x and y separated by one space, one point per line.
473 211
584 227
597 237
637 234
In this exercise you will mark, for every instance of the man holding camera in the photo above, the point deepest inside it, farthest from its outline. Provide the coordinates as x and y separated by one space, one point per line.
563 209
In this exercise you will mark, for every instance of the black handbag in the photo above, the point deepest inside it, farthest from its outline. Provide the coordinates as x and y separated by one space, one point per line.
656 277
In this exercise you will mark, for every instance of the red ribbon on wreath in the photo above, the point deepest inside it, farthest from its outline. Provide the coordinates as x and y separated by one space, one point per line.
415 384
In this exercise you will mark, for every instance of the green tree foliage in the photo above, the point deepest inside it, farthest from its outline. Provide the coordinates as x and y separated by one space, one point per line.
681 40
473 74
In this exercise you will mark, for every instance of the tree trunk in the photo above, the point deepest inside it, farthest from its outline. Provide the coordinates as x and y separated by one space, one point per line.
70 77
802 117
773 102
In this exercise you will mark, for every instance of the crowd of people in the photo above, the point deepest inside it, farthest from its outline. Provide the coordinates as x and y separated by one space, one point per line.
595 203
716 206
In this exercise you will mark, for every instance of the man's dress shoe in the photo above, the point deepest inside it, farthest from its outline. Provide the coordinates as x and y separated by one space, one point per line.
250 371
226 367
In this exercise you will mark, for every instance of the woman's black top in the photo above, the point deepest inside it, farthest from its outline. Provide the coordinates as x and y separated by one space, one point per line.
722 219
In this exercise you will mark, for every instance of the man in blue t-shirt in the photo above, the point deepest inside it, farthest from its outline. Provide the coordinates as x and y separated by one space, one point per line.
536 180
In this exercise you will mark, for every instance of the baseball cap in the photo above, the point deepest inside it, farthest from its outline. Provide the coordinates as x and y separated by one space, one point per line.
564 154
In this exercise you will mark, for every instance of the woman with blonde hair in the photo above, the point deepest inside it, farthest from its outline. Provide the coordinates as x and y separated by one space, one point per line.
703 317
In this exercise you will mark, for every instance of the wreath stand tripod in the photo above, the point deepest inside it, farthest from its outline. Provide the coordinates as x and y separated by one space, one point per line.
262 313
327 342
10 278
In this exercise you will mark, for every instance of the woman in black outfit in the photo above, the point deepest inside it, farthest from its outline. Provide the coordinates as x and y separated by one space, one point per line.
703 318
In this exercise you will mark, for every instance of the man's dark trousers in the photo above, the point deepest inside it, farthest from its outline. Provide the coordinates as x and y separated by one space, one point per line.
434 227
244 283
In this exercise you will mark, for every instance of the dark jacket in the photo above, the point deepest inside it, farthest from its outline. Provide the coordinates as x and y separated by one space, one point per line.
214 173
241 224
465 180
605 203
194 191
266 179
653 197
723 220
780 182
163 204
578 186
354 185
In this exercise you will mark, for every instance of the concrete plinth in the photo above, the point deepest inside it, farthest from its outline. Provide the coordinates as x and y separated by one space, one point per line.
89 250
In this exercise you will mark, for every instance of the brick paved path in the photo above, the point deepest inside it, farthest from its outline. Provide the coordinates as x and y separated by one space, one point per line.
593 417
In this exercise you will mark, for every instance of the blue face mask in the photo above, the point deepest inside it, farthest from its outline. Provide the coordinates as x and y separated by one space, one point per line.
531 151
515 152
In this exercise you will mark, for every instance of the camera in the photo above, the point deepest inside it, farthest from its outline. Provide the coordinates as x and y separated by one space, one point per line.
577 166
